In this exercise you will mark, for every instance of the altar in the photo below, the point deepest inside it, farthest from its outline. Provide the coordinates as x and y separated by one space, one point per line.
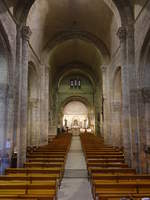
75 131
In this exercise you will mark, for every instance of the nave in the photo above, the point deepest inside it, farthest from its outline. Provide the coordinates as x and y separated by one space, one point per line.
74 167
75 184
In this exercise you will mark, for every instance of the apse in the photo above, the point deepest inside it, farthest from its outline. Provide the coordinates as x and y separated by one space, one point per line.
75 115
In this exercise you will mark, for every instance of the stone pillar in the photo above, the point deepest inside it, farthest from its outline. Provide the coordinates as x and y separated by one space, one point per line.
17 80
3 96
122 34
10 121
97 109
3 110
146 129
106 106
116 124
33 122
52 109
23 36
44 105
133 95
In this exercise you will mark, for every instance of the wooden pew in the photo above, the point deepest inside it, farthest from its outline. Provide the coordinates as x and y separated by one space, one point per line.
27 188
111 160
118 177
121 188
30 177
45 160
111 180
44 164
111 170
120 196
46 170
42 173
107 165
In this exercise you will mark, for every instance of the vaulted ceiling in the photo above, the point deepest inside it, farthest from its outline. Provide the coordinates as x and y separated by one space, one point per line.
74 31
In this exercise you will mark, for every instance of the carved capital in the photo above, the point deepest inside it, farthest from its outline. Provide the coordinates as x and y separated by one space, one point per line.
122 33
26 33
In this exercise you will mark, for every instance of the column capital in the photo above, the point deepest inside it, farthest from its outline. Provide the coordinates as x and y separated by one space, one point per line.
122 33
26 32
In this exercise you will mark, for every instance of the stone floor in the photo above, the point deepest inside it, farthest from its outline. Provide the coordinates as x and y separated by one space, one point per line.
75 185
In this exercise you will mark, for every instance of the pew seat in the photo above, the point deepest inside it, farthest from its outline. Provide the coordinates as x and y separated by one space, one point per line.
36 170
107 165
93 160
111 170
45 159
119 196
117 177
128 187
45 164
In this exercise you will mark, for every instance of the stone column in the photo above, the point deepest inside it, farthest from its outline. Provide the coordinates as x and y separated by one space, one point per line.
23 36
122 34
116 124
3 123
52 108
146 129
106 106
44 105
10 120
133 96
97 109
3 97
17 85
33 130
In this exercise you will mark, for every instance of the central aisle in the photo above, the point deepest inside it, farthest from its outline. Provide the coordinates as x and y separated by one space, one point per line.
75 185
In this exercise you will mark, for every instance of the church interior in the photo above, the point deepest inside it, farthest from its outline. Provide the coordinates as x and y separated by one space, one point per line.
74 99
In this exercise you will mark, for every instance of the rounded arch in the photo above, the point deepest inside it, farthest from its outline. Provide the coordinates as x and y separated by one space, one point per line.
75 98
70 109
120 8
63 36
75 109
79 71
